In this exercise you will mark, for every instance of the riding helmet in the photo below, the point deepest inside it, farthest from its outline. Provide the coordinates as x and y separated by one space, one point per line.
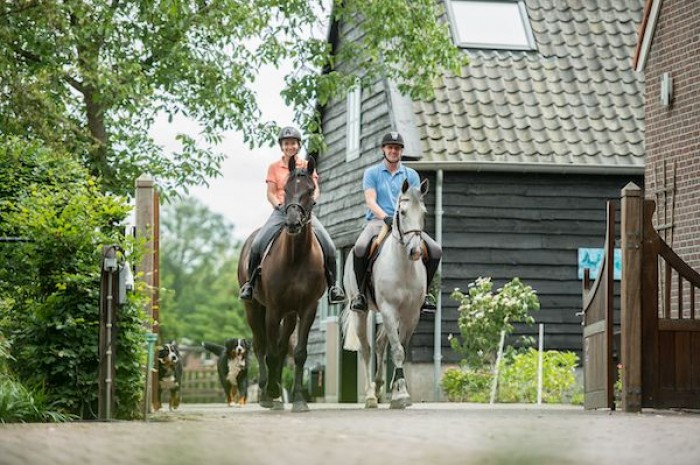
289 132
392 138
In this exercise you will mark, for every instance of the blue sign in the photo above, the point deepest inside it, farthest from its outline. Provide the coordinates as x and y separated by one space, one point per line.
593 258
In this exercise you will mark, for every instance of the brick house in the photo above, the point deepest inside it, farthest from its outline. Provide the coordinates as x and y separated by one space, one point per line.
667 54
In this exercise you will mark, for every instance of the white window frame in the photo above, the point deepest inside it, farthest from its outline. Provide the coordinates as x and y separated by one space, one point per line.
529 38
352 124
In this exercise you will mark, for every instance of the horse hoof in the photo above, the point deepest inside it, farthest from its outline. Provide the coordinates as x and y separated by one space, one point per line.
266 403
277 405
400 403
300 406
371 403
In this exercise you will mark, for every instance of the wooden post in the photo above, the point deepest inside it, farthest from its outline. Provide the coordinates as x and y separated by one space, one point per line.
631 298
145 210
146 227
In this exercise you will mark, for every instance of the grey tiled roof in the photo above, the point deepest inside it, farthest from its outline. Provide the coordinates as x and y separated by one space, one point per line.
574 103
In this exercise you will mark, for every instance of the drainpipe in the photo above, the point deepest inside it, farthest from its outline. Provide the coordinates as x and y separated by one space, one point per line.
437 338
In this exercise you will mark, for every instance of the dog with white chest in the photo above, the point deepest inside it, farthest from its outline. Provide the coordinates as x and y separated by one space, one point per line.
169 375
232 367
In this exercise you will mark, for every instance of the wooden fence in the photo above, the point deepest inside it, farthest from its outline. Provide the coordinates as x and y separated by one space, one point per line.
199 386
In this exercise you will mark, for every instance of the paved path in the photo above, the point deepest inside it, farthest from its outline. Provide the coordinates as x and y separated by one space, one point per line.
335 434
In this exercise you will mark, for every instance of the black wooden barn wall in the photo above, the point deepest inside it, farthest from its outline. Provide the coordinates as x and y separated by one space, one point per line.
527 225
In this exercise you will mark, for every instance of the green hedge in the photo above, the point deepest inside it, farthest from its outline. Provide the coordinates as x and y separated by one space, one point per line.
49 288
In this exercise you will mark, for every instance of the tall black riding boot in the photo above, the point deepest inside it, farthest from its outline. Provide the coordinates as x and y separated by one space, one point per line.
335 293
359 302
246 292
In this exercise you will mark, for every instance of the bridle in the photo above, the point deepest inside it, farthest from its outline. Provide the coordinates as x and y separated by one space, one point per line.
399 230
402 234
305 214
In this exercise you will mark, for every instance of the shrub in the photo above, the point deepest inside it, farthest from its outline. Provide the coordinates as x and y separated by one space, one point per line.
464 385
49 288
517 380
518 377
483 315
19 403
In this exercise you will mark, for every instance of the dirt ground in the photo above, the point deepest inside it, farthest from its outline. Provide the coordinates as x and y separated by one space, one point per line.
426 434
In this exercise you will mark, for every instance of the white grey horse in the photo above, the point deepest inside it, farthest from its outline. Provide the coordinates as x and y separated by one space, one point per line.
399 282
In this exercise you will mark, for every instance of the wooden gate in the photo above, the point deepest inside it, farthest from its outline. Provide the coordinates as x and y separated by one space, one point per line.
598 367
660 325
670 327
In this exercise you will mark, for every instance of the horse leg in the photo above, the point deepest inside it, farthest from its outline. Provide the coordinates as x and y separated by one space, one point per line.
399 393
300 354
289 322
382 341
273 359
256 321
365 352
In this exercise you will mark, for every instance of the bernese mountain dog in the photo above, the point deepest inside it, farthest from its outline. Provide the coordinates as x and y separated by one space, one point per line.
232 366
169 375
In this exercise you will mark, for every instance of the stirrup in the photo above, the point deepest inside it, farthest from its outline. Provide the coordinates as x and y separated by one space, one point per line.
359 303
336 295
429 305
246 292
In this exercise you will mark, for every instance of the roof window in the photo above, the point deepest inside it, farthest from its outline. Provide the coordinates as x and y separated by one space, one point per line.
491 24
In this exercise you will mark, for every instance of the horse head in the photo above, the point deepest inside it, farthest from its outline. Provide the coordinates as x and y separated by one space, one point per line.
409 218
299 196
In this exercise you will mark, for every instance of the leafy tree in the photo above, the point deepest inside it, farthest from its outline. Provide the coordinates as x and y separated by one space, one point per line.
483 314
49 288
199 259
90 78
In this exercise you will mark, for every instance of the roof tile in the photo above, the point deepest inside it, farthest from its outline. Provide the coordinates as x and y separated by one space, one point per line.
575 100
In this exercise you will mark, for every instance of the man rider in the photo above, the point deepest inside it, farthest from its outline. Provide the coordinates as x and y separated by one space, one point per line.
382 184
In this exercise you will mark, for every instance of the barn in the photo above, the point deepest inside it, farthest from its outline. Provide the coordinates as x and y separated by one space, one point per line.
522 150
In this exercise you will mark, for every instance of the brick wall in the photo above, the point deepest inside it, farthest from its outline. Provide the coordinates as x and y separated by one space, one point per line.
673 133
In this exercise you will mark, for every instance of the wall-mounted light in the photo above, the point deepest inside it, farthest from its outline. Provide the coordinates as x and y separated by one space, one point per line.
666 89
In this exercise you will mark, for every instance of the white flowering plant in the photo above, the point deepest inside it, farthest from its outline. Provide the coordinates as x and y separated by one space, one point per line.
483 314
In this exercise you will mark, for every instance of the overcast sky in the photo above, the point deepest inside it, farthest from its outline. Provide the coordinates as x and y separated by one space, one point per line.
239 194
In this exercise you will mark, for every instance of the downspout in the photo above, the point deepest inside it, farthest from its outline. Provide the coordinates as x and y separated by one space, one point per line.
437 338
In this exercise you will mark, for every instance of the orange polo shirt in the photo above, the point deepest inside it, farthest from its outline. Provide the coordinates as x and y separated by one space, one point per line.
278 172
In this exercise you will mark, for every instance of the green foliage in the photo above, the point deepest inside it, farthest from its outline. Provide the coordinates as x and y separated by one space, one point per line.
483 315
91 78
199 261
49 288
462 385
517 380
518 377
19 404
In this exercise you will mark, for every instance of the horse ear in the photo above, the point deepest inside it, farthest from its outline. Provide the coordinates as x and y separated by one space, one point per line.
405 186
311 165
424 186
292 165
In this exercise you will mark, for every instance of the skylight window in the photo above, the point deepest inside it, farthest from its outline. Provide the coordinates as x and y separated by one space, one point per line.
491 24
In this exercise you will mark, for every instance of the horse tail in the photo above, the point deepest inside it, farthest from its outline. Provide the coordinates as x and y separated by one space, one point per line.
215 349
351 323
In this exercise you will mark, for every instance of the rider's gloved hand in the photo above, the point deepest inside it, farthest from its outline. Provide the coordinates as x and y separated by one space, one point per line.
388 220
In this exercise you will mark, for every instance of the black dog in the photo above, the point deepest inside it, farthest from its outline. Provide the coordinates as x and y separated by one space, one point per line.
169 375
232 367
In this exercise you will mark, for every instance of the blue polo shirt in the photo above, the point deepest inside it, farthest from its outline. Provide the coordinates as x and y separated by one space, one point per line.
387 185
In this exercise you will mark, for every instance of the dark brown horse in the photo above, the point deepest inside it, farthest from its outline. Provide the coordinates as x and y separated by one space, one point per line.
290 284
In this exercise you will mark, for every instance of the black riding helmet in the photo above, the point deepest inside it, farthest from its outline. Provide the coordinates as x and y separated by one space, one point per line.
392 138
289 132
